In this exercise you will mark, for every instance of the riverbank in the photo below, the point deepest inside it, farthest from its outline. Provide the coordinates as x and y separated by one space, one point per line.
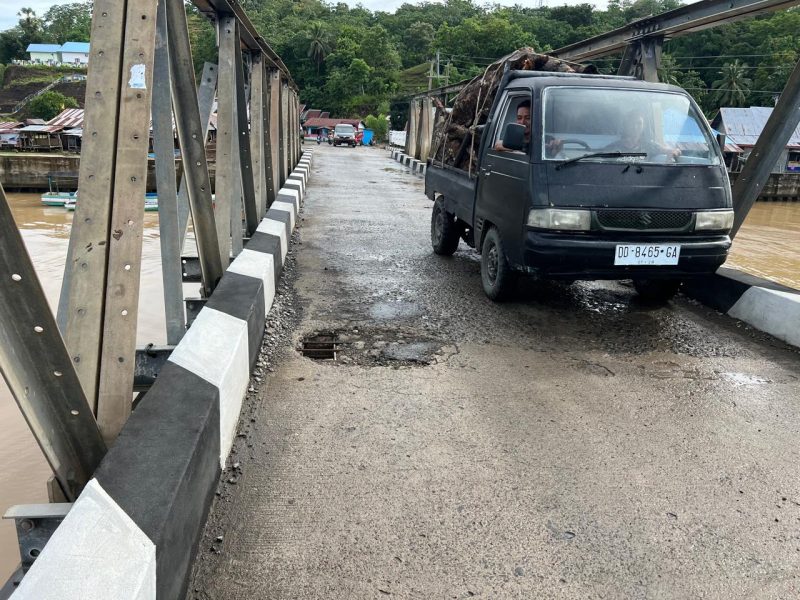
31 171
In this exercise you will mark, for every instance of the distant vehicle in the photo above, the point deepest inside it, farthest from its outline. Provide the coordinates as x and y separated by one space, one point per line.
344 134
588 177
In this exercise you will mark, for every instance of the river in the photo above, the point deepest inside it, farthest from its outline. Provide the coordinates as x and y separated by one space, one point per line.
23 469
768 245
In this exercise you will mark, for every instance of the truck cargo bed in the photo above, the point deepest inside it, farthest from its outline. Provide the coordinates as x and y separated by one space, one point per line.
457 187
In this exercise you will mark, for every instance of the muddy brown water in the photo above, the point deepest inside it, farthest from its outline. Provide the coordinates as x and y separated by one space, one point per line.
23 469
767 246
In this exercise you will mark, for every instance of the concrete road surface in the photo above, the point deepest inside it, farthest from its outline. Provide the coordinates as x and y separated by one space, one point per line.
569 444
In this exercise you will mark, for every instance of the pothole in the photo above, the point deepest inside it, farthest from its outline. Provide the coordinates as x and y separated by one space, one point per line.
373 347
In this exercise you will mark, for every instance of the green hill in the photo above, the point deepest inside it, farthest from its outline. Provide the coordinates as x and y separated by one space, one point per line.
19 82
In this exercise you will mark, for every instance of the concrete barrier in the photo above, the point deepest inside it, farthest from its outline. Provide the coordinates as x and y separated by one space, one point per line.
133 532
767 306
416 165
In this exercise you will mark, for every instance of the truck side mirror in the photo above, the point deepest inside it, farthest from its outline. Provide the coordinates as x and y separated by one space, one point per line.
721 141
514 136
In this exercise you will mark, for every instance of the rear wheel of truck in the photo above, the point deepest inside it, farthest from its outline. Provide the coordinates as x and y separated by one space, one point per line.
496 275
445 232
656 291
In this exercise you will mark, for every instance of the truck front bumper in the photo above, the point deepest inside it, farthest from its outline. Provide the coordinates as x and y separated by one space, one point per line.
583 256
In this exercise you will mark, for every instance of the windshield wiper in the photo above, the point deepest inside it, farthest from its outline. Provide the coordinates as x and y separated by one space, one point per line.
600 155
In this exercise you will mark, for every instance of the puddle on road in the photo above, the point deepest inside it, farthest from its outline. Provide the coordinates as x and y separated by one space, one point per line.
383 311
667 369
740 379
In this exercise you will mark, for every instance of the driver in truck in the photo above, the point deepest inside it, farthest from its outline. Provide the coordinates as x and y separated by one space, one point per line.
553 146
633 139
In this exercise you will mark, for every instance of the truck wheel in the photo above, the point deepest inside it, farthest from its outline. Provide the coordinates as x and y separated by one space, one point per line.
496 275
444 230
656 291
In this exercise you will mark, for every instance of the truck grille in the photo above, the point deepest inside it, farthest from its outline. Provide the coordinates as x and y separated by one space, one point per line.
641 220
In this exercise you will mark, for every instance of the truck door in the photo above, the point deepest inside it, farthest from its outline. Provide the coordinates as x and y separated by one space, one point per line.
503 188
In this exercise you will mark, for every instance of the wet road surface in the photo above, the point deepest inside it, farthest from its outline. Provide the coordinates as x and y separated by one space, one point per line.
571 443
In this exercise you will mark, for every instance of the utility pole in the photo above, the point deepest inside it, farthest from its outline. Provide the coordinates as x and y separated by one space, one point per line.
430 77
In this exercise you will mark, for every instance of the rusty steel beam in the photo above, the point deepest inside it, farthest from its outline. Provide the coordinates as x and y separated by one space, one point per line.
671 24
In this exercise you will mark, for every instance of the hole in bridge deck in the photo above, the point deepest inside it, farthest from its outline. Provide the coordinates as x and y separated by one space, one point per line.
320 346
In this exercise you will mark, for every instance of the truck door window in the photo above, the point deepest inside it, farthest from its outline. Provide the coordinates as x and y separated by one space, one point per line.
517 109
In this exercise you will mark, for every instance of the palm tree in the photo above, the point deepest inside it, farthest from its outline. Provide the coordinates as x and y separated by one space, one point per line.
733 87
318 47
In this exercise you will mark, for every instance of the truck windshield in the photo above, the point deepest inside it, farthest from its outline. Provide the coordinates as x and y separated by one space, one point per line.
662 125
344 129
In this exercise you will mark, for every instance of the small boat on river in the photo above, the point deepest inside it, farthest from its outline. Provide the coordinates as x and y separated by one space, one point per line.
150 202
55 196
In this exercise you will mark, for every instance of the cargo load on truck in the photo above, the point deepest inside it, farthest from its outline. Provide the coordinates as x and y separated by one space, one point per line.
455 142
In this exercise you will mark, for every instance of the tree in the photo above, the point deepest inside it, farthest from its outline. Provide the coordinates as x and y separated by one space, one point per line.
417 41
733 87
48 105
358 74
668 71
379 125
318 47
68 23
29 23
14 42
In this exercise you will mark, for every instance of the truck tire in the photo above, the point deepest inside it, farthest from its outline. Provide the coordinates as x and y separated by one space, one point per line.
496 275
656 291
445 233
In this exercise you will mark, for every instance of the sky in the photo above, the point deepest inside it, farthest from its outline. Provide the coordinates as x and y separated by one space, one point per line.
10 8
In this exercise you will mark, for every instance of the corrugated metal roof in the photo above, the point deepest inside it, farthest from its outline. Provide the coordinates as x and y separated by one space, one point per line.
41 129
51 48
9 125
77 47
742 126
68 119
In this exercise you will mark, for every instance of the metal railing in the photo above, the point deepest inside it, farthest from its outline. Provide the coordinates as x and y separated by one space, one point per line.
74 382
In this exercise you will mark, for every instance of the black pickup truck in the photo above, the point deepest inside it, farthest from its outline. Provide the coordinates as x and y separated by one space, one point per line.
605 177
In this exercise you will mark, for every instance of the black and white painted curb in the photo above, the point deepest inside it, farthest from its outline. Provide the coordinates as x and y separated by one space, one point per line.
416 166
767 306
133 532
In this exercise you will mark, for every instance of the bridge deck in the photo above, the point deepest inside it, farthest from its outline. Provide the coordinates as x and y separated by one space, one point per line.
568 444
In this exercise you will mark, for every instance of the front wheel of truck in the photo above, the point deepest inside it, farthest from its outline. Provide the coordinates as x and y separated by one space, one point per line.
445 232
656 291
496 275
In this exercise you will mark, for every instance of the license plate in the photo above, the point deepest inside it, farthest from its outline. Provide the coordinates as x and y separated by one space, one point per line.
647 254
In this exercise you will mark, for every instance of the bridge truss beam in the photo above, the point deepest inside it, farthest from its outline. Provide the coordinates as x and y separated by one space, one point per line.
671 24
141 65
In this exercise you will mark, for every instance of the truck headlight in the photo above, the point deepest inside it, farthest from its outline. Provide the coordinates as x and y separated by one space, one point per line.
713 220
560 218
